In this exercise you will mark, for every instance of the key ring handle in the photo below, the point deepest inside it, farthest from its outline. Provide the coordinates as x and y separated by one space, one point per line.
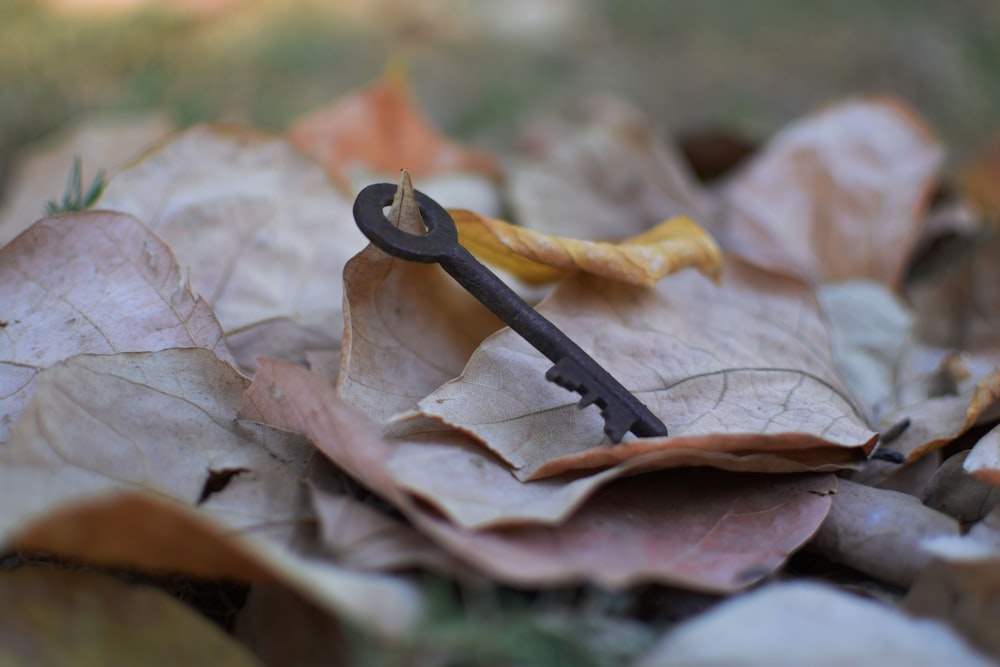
441 237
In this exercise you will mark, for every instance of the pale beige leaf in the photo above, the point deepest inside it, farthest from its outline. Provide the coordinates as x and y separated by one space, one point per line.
839 194
261 231
162 422
612 176
879 532
61 617
40 176
744 367
142 532
92 282
409 327
802 623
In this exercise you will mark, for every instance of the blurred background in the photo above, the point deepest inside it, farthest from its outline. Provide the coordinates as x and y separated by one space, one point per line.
483 69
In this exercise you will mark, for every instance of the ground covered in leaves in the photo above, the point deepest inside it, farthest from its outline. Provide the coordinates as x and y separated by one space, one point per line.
228 418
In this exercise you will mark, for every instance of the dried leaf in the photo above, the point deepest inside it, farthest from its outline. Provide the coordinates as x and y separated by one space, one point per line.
263 234
980 180
40 177
609 178
983 462
937 395
837 195
961 586
177 439
537 258
383 129
53 617
92 282
801 623
142 532
409 327
742 368
613 538
880 532
962 492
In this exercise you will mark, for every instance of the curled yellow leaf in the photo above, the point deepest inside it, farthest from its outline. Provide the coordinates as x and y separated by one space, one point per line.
536 258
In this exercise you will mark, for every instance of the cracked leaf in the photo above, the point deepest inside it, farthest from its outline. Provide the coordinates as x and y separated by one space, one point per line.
839 194
177 433
91 282
261 231
537 258
741 368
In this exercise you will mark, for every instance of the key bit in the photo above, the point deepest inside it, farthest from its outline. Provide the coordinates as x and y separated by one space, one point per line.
574 369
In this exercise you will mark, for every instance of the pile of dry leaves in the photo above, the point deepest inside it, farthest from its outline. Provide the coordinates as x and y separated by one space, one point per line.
210 373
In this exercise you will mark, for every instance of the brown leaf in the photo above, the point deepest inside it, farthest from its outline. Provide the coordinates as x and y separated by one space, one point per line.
409 327
962 492
263 234
614 538
839 194
92 282
537 258
383 129
980 180
53 617
40 176
983 462
802 623
701 529
961 586
742 368
143 532
176 438
880 532
611 177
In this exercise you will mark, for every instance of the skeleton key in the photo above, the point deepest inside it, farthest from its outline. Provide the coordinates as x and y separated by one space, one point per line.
574 369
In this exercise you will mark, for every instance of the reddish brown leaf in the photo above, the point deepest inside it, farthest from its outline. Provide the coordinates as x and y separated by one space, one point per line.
92 282
381 128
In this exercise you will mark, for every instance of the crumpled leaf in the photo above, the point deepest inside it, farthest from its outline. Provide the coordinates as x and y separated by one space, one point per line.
176 438
94 282
40 177
381 128
538 258
839 194
144 532
879 532
900 380
615 537
263 234
740 368
58 617
980 180
964 493
803 623
610 177
409 327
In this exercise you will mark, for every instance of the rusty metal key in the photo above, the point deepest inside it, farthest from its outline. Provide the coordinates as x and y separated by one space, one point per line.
574 369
